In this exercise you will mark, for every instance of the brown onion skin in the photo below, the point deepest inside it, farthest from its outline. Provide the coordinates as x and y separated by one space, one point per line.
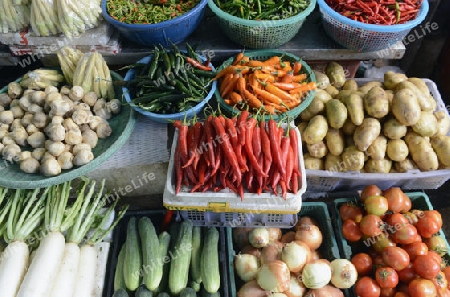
249 249
252 289
327 291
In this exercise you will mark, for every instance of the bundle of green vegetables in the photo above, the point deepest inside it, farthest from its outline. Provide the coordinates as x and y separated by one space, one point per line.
15 15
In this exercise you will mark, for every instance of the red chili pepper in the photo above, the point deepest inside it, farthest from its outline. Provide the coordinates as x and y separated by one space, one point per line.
240 189
167 219
283 189
275 147
194 138
182 143
294 180
209 137
198 65
294 144
285 145
230 185
260 178
256 142
235 142
265 147
178 170
201 171
289 167
249 177
251 124
218 155
241 125
276 176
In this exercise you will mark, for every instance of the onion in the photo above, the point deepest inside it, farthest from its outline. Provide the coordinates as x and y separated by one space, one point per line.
343 273
274 234
250 249
277 295
327 291
240 237
295 254
246 266
316 274
288 237
252 289
305 221
259 237
314 255
270 253
296 287
279 244
274 276
309 234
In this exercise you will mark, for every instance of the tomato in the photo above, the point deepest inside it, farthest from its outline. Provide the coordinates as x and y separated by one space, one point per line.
443 293
436 243
412 218
426 266
377 205
435 215
429 223
421 288
378 261
387 292
367 287
446 272
415 249
383 241
351 231
440 282
386 277
407 274
363 263
403 287
396 218
401 294
397 200
371 225
350 212
395 257
405 234
371 190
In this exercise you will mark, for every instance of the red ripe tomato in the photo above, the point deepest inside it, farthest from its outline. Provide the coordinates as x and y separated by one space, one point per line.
377 205
415 249
371 225
397 200
405 234
350 212
402 287
395 257
426 266
407 274
363 263
396 218
387 292
440 282
351 231
371 190
412 218
436 243
429 223
378 261
401 294
381 242
434 214
367 287
446 272
420 287
386 277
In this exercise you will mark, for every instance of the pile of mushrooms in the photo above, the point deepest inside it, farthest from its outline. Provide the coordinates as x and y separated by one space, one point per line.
51 130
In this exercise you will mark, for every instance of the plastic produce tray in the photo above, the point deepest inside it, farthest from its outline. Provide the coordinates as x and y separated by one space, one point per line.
157 217
329 248
326 181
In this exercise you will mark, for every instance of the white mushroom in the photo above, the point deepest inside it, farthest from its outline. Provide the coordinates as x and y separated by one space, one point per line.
11 152
70 103
32 129
2 108
14 102
38 97
30 165
47 156
76 93
114 106
101 110
90 98
24 155
25 102
19 135
101 103
90 137
49 99
6 117
17 123
27 119
17 111
73 137
79 147
38 153
14 89
81 116
55 131
83 157
103 130
59 107
3 134
36 140
40 119
51 89
7 139
55 148
65 90
5 100
95 121
28 92
50 167
70 125
65 160
1 147
68 147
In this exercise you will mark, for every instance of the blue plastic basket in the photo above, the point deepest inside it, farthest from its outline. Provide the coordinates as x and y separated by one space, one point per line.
175 30
362 37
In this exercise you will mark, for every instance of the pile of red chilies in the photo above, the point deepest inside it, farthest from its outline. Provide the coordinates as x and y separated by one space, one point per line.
238 153
384 12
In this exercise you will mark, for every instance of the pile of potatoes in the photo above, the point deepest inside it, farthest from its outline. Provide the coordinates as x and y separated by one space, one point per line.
50 130
378 127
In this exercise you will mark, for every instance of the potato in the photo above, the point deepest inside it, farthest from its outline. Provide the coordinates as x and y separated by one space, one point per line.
405 165
336 113
317 150
336 74
366 133
427 124
422 86
301 128
313 163
355 108
349 127
390 97
335 141
443 123
316 129
322 95
365 88
322 80
377 150
316 107
334 163
391 79
376 103
424 102
349 141
441 145
350 84
397 150
332 91
343 94
422 152
378 166
405 107
393 129
353 158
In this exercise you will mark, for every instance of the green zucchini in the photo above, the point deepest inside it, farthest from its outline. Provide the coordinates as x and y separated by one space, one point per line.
133 258
163 294
152 270
119 280
188 292
210 261
120 293
142 291
181 259
196 252
164 243
206 294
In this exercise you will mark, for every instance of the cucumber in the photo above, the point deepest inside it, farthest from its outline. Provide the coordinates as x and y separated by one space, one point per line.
142 291
188 292
206 294
163 294
210 261
181 259
152 270
194 285
119 280
196 252
164 242
133 258
120 293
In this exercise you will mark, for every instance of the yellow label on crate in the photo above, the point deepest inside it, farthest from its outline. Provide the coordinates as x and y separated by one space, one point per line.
224 207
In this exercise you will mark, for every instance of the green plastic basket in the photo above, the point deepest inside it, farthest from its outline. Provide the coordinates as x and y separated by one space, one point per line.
260 34
264 55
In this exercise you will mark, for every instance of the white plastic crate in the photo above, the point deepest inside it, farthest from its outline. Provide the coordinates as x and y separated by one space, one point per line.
226 206
325 181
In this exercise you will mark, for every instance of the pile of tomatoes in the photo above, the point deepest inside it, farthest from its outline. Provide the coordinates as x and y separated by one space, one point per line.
396 249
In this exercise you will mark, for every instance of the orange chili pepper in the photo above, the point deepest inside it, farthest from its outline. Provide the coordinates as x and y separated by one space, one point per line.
299 77
252 100
267 96
304 88
255 63
297 67
225 82
235 98
231 85
272 61
238 58
286 86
